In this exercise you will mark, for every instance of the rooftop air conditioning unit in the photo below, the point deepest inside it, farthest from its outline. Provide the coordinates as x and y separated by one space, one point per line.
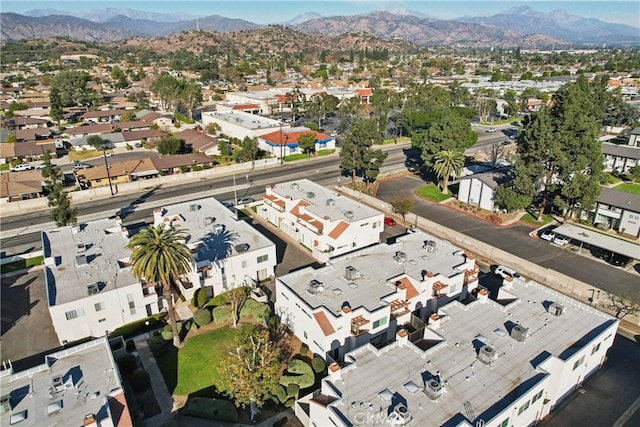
57 384
218 228
209 220
194 207
310 194
93 289
400 415
348 214
433 389
556 309
5 403
487 354
519 333
295 185
350 273
400 257
331 202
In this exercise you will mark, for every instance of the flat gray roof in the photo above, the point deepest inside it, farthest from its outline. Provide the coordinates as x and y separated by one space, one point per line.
88 377
245 120
376 267
594 238
452 357
343 207
621 150
620 199
200 217
85 254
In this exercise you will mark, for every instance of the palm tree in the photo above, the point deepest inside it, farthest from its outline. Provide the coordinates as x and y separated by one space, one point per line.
447 163
159 255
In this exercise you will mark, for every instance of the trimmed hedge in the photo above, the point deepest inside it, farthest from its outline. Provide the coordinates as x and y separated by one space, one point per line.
303 374
140 381
280 394
127 364
212 409
292 390
202 317
318 364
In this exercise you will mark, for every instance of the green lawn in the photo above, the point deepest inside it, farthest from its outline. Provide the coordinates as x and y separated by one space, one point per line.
628 188
400 140
293 157
433 193
199 359
21 264
5 167
251 307
325 152
531 219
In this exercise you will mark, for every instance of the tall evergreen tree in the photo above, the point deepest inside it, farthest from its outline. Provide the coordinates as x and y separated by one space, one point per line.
61 213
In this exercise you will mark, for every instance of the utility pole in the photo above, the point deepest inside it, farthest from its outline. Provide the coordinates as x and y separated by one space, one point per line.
106 165
281 146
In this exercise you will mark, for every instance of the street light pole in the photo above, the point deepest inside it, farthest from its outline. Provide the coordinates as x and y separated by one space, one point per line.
281 146
106 165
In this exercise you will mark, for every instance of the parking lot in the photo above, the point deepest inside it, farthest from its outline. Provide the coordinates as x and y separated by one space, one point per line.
26 323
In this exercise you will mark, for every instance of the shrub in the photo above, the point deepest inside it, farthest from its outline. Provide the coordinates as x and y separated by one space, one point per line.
197 168
304 351
289 403
130 346
128 147
166 333
184 169
200 298
127 364
202 317
292 390
280 394
140 381
318 364
304 376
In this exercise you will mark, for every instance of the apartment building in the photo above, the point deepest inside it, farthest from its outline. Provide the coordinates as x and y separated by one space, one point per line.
90 286
325 222
77 386
282 143
363 297
238 124
227 252
488 363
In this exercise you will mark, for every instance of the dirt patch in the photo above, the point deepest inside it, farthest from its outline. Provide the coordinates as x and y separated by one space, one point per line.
496 218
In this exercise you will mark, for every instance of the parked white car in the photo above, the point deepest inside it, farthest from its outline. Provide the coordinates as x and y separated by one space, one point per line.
505 272
20 168
560 240
548 235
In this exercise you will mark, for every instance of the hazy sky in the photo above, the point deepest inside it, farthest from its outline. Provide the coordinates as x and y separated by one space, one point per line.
268 11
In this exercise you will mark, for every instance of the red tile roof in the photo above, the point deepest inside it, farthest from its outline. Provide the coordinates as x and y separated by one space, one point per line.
120 411
339 229
285 138
134 135
246 107
364 92
324 323
405 283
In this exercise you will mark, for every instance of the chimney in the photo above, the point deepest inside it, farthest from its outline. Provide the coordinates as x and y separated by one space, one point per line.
334 371
483 295
507 282
434 321
125 232
118 220
402 336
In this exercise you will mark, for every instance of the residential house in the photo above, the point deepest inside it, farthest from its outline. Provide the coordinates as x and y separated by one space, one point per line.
364 95
33 134
90 286
25 123
238 124
119 172
133 137
75 386
479 189
619 210
110 140
325 222
251 108
484 363
32 149
363 297
163 121
88 130
16 186
282 143
634 137
102 116
199 141
227 252
171 164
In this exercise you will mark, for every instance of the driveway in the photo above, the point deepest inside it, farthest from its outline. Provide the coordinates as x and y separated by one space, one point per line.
26 324
515 239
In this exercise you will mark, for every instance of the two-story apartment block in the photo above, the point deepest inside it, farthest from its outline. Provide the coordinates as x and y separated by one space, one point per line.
77 386
620 158
89 283
227 252
364 296
619 210
482 364
320 219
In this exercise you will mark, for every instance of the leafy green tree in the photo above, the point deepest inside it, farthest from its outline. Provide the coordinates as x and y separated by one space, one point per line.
170 144
511 108
167 88
250 150
307 142
159 255
402 205
236 298
373 160
71 87
190 96
55 105
634 173
96 142
450 131
252 367
357 142
447 163
61 213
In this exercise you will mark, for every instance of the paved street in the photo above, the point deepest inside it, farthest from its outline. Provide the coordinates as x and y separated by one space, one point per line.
515 239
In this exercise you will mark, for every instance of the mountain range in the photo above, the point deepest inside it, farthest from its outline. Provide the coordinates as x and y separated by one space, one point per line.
519 26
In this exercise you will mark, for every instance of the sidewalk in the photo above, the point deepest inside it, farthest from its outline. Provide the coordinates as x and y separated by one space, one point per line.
165 401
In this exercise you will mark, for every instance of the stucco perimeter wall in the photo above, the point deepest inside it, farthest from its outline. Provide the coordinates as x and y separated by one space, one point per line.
31 205
551 278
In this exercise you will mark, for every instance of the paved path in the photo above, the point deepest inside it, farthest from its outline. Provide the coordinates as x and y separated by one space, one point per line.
184 421
165 401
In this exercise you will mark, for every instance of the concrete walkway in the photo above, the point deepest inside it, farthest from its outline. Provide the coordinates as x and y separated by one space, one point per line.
185 421
165 401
